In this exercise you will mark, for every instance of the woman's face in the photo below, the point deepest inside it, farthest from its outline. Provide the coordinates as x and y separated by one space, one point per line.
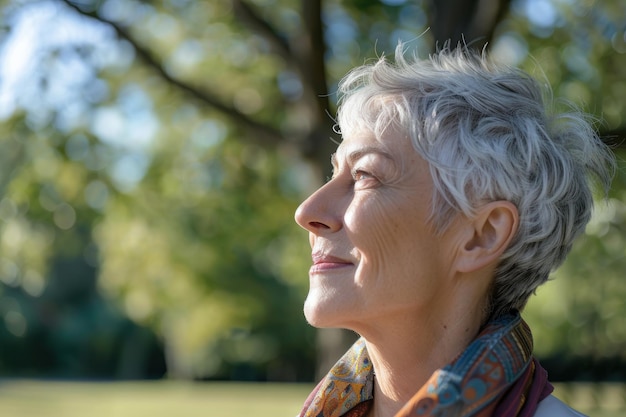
375 255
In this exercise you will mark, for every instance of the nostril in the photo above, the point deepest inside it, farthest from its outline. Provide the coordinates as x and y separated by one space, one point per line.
318 225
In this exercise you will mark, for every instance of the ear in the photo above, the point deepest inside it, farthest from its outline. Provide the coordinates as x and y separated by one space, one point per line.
489 235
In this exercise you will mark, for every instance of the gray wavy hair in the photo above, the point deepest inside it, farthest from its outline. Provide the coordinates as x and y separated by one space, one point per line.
488 135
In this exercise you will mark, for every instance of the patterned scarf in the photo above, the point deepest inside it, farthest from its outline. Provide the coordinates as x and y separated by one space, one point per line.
495 376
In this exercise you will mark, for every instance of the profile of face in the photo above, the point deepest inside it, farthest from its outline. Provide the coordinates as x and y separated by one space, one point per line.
376 256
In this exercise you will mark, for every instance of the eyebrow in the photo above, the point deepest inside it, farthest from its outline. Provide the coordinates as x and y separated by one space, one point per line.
361 152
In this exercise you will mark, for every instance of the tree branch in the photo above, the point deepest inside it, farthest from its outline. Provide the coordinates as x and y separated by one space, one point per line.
311 56
466 21
306 55
482 25
313 61
267 134
244 12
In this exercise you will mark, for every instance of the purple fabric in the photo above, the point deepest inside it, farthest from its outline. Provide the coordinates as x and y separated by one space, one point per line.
533 385
539 390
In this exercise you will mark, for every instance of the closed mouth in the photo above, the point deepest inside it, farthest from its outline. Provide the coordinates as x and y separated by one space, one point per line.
322 262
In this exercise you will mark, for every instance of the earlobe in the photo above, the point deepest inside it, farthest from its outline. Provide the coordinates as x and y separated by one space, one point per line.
490 233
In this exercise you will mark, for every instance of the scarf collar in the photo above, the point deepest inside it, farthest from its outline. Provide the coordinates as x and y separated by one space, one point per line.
494 375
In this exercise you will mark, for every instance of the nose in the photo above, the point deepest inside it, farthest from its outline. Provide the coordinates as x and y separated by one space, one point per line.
320 212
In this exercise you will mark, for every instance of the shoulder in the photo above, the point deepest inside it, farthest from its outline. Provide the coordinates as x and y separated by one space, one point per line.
553 407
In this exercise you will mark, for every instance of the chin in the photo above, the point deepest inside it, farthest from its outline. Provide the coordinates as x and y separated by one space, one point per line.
325 313
314 314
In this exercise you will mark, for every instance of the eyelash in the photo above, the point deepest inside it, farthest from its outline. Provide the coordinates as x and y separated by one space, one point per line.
355 174
362 175
358 172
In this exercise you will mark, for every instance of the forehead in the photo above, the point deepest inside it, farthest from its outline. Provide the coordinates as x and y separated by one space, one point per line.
358 144
391 144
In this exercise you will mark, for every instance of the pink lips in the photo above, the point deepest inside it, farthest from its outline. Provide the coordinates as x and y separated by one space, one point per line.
325 263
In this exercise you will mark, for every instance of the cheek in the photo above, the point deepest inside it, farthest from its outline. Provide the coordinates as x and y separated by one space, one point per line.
376 227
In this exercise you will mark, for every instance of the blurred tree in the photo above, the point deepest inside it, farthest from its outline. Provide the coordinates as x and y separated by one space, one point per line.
55 321
167 143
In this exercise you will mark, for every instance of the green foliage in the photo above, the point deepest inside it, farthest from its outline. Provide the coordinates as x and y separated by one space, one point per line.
579 314
153 154
187 228
579 48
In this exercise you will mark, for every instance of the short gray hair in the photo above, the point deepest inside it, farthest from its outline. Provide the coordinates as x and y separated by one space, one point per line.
488 135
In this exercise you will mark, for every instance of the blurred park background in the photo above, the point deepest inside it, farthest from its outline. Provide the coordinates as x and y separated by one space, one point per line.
152 153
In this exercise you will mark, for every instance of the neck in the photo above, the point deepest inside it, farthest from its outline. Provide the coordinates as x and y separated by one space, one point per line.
405 358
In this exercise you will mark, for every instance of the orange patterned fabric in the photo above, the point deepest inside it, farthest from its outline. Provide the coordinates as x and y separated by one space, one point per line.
349 383
495 376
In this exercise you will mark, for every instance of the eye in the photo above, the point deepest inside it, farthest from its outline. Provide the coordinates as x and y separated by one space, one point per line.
359 175
364 179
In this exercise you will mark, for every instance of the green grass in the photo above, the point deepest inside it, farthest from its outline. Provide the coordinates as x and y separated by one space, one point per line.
153 399
596 400
25 398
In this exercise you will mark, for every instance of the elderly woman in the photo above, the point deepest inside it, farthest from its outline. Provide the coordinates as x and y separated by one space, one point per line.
453 197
